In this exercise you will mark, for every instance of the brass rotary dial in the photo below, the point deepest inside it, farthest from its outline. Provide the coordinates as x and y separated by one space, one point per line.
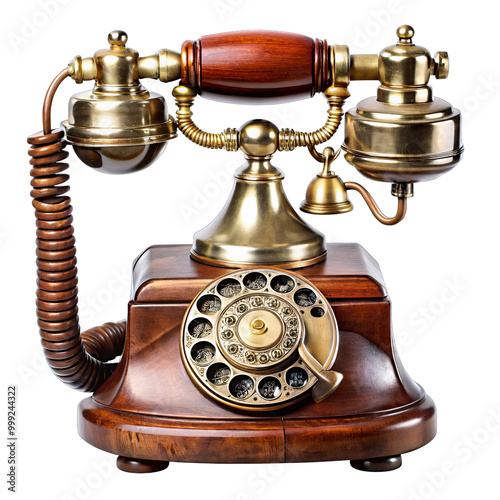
260 340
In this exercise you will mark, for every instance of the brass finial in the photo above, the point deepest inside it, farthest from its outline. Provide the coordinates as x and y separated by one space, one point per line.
258 138
405 33
117 38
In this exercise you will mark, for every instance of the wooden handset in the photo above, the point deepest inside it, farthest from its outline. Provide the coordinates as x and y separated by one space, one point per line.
256 64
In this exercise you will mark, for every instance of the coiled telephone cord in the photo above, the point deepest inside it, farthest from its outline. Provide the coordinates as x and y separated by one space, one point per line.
78 359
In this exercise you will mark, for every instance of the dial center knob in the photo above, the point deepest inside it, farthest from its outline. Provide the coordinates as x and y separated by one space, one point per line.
260 329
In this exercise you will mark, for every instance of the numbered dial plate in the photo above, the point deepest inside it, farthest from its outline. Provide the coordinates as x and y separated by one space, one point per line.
241 334
259 331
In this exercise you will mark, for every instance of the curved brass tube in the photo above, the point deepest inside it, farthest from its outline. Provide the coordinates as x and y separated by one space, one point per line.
184 98
375 210
289 139
49 97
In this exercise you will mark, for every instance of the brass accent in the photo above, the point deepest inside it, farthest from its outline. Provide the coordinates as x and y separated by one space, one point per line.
289 139
258 225
441 65
82 69
402 189
119 126
405 64
259 139
110 65
184 98
316 337
326 193
165 66
248 265
127 119
364 67
404 135
341 65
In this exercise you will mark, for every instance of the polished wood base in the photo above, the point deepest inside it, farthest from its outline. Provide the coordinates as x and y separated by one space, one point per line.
260 440
149 409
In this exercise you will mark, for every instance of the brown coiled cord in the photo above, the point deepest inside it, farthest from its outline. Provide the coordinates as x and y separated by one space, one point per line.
78 360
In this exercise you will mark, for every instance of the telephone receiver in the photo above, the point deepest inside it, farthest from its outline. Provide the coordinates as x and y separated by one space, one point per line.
260 341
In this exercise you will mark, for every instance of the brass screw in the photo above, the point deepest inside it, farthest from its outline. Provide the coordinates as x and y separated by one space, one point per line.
250 357
241 308
277 353
232 349
272 303
441 65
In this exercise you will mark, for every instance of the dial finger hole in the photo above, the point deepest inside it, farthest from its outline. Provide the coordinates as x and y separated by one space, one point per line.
270 388
199 328
241 386
255 281
317 312
282 283
296 377
229 288
209 304
203 353
304 297
218 374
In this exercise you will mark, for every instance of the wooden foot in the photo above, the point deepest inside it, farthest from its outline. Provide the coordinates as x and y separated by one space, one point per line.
140 466
382 464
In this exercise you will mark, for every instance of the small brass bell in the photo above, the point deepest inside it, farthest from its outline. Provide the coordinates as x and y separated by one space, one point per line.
326 193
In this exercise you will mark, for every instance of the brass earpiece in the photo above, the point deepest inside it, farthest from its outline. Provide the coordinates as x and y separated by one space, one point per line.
404 134
118 126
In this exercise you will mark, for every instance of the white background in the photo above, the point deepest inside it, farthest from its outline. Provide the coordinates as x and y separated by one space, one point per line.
439 263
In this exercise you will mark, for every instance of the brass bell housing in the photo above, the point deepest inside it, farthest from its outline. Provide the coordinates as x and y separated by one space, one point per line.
118 126
326 193
404 134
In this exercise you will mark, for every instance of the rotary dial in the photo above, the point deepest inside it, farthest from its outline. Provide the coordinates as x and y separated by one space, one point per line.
244 338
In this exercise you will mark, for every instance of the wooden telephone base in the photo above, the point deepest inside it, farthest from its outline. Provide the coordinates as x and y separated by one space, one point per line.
149 412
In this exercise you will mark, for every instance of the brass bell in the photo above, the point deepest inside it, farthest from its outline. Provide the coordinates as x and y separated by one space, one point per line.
326 193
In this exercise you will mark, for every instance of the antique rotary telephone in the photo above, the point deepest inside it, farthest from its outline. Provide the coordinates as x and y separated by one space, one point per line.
227 354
